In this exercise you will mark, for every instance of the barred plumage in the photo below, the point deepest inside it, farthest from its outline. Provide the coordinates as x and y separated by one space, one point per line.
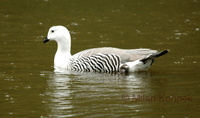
96 63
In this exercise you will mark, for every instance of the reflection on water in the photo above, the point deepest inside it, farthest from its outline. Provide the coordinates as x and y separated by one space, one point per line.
58 93
80 94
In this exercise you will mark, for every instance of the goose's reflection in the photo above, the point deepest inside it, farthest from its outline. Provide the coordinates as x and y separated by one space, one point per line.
58 95
80 94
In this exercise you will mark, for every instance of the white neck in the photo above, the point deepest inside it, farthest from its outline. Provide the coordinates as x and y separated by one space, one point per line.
63 55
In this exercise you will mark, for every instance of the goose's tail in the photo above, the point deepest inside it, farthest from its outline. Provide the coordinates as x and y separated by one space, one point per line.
142 64
153 56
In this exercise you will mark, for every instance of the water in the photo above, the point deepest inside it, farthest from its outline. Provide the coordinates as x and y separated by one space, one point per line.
29 88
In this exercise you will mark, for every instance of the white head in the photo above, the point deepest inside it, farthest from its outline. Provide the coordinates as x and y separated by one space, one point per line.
57 33
61 35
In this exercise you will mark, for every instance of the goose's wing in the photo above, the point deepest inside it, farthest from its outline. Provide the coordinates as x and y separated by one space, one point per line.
126 55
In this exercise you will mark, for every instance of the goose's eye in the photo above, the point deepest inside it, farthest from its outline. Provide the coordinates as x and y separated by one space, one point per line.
52 31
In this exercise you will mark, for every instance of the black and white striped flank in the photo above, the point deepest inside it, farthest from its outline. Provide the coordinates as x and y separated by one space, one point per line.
97 63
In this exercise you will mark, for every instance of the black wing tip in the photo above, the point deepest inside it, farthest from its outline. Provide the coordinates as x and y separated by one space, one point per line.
158 54
165 51
161 53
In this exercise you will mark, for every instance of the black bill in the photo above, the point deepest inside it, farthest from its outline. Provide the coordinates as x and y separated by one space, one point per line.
45 40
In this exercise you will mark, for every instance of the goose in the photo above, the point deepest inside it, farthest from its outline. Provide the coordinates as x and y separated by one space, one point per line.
102 59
